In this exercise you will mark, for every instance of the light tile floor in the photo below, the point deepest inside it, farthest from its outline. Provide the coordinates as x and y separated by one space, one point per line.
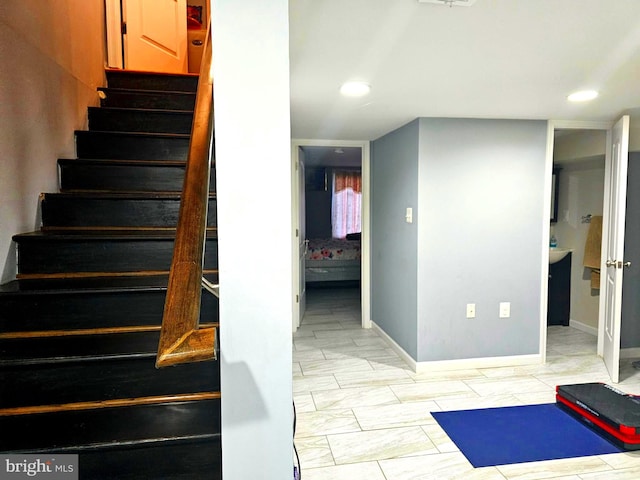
363 414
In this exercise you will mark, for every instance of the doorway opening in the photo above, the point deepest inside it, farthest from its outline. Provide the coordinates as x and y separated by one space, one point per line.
165 36
332 226
574 279
610 251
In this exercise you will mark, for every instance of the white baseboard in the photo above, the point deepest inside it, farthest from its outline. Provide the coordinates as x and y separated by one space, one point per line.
460 364
583 327
408 359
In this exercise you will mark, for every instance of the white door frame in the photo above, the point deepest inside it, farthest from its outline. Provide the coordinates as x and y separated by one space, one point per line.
552 125
365 267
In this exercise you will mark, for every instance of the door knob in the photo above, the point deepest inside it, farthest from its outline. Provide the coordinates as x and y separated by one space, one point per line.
617 264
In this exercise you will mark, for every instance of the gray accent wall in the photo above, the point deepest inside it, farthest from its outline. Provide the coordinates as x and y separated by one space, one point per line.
394 269
477 192
480 232
630 329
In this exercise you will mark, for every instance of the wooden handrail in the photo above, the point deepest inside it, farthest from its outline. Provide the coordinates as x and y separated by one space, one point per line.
181 340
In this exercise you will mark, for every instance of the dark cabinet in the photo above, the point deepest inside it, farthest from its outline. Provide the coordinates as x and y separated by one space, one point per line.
559 303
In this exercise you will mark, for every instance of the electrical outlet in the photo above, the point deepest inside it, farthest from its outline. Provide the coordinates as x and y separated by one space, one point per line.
505 309
471 310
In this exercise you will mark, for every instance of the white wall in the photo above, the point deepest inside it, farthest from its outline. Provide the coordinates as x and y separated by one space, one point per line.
252 148
52 55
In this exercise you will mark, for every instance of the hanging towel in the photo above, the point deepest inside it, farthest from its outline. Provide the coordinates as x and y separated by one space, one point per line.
593 243
592 249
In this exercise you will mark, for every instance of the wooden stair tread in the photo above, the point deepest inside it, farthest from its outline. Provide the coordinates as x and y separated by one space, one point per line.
131 71
60 285
192 458
152 111
51 347
108 379
157 80
77 304
77 348
146 91
117 161
118 119
120 195
133 134
149 99
104 427
101 234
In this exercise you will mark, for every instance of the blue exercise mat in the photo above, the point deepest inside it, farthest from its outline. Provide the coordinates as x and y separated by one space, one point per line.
501 436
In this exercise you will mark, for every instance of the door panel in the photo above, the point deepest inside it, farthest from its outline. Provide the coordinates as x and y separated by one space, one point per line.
156 38
613 247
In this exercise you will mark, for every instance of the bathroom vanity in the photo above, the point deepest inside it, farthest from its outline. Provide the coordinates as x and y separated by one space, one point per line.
559 298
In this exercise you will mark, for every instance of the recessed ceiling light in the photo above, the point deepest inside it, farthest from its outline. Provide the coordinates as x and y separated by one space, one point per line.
355 89
582 96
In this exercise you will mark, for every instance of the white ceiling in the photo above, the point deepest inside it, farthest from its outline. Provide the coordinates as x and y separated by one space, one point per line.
495 59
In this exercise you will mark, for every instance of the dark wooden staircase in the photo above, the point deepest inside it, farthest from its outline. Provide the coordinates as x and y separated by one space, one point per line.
79 326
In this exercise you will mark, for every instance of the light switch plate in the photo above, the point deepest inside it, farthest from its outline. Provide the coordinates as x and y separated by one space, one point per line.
409 215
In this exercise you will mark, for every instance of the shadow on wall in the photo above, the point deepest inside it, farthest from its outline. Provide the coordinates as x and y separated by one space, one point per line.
9 268
252 408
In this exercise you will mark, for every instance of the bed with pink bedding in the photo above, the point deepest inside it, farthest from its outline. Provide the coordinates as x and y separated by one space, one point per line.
332 259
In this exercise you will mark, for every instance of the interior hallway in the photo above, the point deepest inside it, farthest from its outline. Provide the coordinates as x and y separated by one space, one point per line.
362 414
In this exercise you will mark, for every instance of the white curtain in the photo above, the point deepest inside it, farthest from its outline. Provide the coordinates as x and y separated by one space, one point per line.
346 202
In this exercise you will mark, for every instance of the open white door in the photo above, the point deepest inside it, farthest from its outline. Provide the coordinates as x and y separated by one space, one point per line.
298 218
302 240
613 246
156 35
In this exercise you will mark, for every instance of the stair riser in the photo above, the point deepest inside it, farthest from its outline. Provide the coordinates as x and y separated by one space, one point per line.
47 350
69 256
113 145
80 311
65 211
145 81
54 384
139 121
138 178
153 100
193 461
66 430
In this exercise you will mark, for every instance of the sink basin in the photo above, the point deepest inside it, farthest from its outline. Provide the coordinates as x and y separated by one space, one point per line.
556 254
